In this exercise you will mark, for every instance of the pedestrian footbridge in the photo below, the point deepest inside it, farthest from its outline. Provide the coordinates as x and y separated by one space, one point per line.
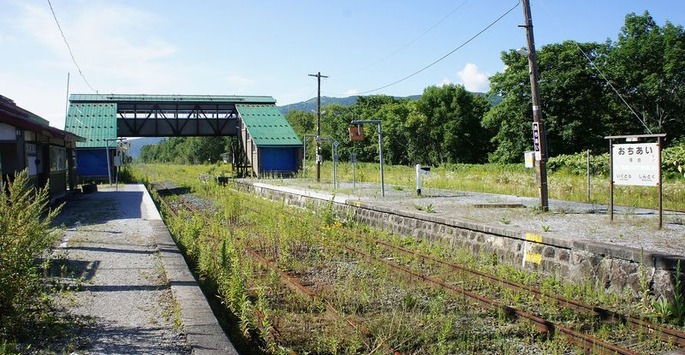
265 142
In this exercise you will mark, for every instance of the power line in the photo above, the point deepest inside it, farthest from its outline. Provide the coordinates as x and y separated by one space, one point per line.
73 59
592 63
444 56
601 74
410 42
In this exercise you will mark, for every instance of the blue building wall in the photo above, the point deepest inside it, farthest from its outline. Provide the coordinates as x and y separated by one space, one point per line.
91 163
281 160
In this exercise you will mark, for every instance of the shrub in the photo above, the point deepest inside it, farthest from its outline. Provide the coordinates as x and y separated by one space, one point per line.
24 223
673 160
576 164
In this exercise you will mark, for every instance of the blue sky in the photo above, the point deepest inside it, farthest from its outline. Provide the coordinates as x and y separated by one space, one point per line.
261 47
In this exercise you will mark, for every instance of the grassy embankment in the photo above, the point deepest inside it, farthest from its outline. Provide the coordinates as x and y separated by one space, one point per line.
509 180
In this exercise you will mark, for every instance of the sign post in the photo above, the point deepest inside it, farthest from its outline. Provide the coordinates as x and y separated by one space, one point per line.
635 164
380 145
425 170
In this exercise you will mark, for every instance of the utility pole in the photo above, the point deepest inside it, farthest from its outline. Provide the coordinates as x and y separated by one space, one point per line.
319 158
539 134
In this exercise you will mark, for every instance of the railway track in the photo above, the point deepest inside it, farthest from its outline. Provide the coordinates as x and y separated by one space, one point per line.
292 283
583 340
664 333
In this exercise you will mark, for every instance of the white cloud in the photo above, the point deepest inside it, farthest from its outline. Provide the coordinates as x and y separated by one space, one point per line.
473 79
351 92
114 45
445 81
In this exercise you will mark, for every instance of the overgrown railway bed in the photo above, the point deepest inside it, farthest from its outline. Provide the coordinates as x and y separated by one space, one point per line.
304 282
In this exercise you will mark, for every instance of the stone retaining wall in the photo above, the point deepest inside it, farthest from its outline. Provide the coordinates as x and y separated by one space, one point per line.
617 269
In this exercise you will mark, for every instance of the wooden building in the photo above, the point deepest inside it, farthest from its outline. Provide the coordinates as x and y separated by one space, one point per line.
27 142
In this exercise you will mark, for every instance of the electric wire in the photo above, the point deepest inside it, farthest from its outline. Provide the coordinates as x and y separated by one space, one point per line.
446 55
73 59
410 42
601 74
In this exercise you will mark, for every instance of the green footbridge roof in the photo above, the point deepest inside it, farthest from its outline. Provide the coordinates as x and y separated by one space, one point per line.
267 126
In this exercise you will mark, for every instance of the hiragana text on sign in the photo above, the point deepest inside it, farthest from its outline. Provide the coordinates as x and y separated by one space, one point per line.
636 164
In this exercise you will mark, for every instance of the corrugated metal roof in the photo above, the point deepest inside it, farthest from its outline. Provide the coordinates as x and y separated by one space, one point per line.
7 105
267 126
96 122
172 98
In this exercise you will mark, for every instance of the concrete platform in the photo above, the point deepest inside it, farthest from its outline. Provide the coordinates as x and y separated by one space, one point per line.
130 261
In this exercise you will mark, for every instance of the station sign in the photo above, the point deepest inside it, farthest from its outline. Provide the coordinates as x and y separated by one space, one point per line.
536 141
636 164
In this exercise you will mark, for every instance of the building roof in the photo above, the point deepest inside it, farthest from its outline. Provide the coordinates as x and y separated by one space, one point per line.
95 121
18 117
76 98
267 126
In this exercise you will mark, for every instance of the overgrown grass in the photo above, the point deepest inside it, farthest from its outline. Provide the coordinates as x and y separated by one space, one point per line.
512 179
24 235
410 317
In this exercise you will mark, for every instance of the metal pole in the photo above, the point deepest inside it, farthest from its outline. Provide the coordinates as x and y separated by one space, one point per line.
118 154
588 176
304 157
380 155
541 167
661 196
109 170
318 130
611 180
318 124
354 169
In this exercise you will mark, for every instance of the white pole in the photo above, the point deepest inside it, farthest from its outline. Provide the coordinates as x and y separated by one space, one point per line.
418 179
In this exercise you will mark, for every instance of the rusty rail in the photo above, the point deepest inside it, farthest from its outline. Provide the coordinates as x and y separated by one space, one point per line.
664 333
292 283
584 341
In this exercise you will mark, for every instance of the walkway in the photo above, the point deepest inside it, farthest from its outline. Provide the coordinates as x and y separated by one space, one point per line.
130 281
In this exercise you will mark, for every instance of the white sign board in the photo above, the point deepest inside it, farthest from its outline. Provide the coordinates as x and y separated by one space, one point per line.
636 164
536 141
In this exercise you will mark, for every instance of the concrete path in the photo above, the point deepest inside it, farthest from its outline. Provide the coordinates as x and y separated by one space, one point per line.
129 280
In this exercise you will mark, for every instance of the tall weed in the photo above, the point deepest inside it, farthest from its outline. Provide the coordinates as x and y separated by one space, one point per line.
24 235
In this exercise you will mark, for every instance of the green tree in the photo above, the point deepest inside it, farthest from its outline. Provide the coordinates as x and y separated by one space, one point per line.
302 122
647 67
453 116
186 150
572 95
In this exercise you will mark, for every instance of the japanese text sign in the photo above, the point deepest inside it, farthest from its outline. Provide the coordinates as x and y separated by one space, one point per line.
636 164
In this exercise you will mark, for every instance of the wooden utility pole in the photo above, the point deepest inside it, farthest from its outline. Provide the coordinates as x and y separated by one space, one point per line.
319 158
540 136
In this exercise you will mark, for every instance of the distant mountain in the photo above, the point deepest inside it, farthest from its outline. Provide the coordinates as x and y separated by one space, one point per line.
310 105
138 143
